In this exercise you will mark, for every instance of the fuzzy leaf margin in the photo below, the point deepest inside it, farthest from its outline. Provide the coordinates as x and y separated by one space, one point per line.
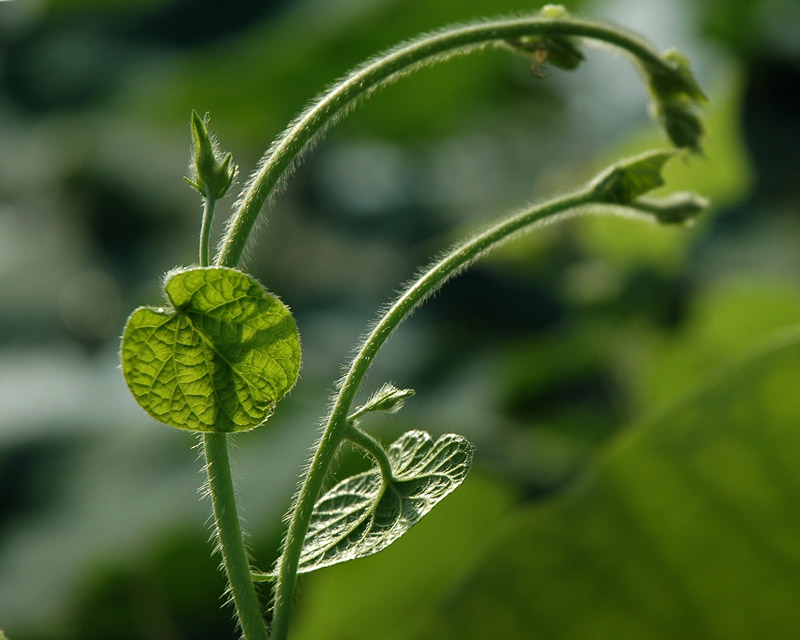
365 513
218 359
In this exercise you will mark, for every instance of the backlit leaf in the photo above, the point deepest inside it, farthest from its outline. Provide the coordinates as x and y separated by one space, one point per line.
363 515
688 528
218 359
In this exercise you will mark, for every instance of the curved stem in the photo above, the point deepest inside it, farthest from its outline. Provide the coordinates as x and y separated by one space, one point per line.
337 424
372 447
209 204
229 534
279 159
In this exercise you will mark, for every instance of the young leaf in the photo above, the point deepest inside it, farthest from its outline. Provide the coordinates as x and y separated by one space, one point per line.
678 85
682 122
218 359
625 181
363 515
388 399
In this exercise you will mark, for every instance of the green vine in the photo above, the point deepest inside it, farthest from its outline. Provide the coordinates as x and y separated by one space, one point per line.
224 350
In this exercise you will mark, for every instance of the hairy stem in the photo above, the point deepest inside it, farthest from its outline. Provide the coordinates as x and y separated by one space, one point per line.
231 540
223 498
372 447
337 425
280 158
209 204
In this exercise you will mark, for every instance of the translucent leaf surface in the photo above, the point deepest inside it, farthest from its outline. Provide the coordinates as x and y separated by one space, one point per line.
688 529
363 515
218 359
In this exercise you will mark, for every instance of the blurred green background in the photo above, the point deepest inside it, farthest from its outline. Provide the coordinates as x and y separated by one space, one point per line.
615 493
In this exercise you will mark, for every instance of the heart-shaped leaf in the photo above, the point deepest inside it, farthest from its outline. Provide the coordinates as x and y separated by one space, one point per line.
218 359
366 513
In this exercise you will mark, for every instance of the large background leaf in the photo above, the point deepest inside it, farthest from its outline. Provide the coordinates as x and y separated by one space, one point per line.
689 528
219 359
538 355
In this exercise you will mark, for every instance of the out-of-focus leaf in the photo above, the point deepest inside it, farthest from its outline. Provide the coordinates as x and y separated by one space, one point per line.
628 179
722 174
677 362
219 359
689 529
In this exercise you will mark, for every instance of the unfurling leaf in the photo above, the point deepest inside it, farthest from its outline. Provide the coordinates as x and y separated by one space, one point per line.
680 84
388 399
682 123
218 359
364 514
677 97
625 181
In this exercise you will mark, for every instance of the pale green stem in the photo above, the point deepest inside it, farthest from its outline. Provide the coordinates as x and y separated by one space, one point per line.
279 159
337 425
373 447
223 499
229 535
209 204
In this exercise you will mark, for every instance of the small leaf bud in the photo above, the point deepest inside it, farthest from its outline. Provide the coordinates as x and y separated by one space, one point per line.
212 172
388 399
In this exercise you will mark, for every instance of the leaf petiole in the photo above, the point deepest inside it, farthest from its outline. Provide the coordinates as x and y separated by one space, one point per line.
209 204
373 447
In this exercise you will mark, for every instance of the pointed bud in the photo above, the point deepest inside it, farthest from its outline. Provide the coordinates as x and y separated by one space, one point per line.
212 172
388 399
553 11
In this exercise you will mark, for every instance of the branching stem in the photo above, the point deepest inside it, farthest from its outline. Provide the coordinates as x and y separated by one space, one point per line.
280 158
337 424
371 446
275 165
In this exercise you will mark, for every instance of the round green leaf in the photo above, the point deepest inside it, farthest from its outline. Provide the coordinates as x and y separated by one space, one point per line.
218 359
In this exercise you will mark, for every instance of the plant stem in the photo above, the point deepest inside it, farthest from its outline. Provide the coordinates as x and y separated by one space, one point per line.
223 498
337 424
281 156
373 447
209 204
229 534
